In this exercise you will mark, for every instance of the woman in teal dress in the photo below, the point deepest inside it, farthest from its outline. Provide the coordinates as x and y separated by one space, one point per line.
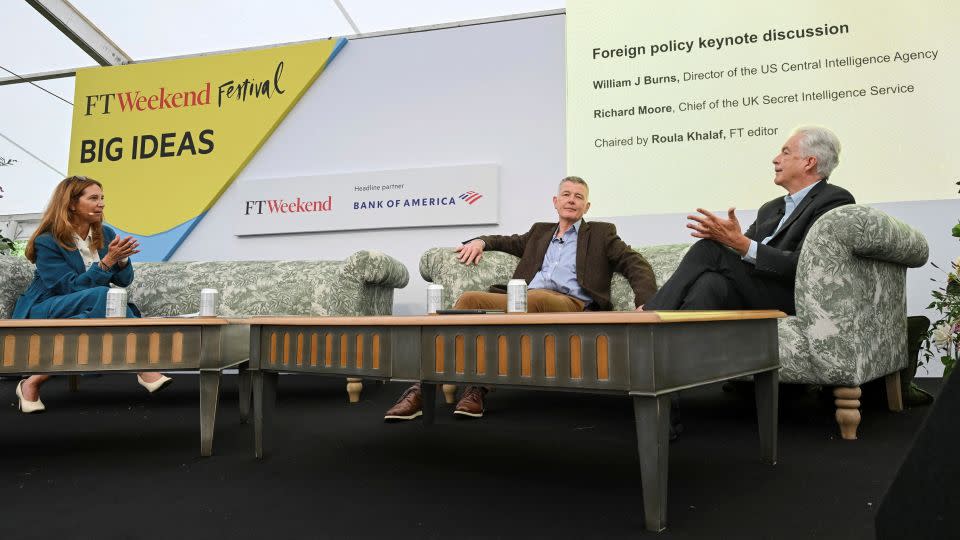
77 260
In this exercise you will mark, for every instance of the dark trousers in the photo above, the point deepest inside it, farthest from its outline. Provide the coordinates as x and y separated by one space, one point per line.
712 276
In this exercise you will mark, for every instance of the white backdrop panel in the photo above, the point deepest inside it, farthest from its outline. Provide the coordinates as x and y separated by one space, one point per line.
481 94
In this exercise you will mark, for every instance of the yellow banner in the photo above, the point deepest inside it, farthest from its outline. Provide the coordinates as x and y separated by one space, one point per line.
167 138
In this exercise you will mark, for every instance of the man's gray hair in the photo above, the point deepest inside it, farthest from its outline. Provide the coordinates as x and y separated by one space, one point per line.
575 180
822 144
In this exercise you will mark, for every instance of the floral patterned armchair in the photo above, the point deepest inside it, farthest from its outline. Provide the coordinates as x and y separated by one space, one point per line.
851 321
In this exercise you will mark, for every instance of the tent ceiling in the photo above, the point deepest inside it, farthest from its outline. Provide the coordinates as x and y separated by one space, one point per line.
152 29
380 15
30 44
175 28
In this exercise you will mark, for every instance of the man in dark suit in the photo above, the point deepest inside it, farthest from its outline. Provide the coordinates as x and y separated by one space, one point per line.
729 269
567 266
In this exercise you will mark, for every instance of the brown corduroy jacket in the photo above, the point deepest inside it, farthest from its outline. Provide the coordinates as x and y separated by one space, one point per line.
600 253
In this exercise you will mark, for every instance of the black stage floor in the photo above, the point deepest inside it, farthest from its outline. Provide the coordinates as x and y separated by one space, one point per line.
113 462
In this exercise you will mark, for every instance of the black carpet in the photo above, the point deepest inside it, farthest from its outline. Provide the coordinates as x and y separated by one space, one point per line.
921 501
112 462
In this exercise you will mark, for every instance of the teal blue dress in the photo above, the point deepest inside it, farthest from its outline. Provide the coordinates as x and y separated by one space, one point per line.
63 288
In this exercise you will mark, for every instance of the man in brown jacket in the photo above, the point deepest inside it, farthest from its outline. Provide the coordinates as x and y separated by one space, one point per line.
567 265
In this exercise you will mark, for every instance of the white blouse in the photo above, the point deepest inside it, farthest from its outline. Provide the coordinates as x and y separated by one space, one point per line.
89 255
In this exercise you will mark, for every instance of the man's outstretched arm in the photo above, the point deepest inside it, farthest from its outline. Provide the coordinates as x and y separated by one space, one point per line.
472 250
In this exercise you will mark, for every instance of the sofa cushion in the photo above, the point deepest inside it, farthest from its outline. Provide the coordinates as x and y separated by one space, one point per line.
663 258
247 288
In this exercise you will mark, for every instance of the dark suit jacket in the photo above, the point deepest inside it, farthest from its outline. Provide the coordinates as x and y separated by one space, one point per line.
779 257
600 253
60 271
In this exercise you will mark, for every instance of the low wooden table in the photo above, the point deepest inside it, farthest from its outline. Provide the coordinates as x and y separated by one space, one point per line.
647 356
73 346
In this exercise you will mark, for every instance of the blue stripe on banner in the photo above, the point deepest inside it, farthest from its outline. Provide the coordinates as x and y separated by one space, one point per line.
160 246
336 49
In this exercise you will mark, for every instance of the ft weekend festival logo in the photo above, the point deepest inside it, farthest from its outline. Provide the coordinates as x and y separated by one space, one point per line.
147 146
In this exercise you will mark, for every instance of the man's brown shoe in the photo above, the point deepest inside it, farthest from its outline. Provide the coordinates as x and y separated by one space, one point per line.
471 404
408 407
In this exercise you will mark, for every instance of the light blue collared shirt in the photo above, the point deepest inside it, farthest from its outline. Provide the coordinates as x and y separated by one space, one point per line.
792 202
559 270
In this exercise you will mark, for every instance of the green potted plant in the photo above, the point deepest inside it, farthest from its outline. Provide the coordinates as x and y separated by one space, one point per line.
943 338
6 245
12 247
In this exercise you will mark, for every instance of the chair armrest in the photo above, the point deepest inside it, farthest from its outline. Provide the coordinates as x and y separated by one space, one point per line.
376 268
875 235
443 267
16 273
366 283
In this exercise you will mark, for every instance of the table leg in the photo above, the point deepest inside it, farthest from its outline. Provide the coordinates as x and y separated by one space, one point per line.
264 403
767 391
652 417
245 384
429 394
209 393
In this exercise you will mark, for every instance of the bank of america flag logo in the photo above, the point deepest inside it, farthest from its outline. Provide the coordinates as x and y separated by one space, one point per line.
471 197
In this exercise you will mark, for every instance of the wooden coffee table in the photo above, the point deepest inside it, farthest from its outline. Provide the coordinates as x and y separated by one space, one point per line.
74 346
647 356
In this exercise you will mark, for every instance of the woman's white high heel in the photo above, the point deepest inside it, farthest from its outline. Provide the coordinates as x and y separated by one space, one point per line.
156 385
27 406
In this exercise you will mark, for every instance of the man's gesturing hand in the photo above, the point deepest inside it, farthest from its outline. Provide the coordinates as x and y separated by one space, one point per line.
471 252
726 231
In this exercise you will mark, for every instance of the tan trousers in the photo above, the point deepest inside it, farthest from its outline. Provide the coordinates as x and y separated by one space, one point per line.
538 301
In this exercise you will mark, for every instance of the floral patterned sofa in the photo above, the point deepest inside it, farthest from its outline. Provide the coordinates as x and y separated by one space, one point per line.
851 321
361 284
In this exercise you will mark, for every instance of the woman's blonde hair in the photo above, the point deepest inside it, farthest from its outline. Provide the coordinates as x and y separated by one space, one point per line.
56 218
